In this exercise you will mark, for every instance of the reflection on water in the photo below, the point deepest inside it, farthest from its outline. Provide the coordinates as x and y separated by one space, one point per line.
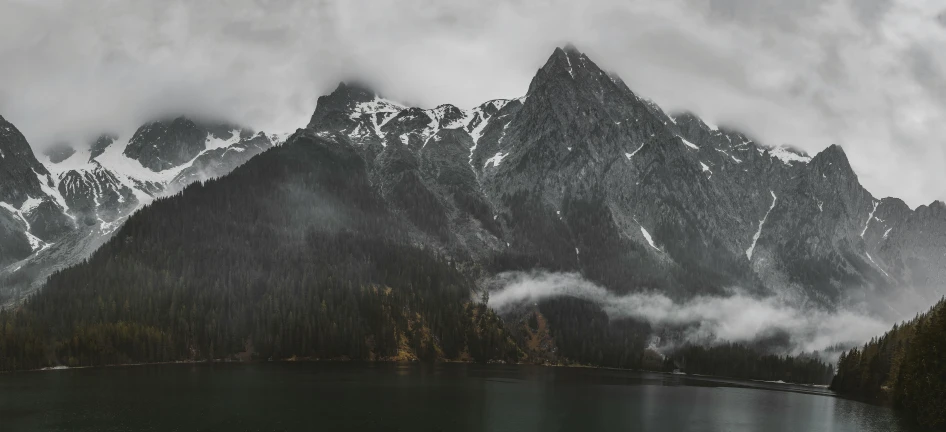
454 397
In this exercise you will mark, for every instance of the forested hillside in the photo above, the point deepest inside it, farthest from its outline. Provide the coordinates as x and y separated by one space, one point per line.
905 367
292 255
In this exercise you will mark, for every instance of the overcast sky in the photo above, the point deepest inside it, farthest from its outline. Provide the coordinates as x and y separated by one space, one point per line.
869 75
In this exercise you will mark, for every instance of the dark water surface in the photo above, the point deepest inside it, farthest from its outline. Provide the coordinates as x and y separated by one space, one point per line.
399 397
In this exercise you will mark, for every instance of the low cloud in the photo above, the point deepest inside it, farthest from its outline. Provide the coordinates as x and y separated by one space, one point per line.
865 74
737 317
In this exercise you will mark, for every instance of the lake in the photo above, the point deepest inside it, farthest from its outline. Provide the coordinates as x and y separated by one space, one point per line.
411 397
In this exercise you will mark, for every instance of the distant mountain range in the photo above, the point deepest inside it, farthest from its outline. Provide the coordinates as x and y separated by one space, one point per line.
579 175
59 206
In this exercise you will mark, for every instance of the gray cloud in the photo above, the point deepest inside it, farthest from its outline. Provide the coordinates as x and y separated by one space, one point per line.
870 12
866 74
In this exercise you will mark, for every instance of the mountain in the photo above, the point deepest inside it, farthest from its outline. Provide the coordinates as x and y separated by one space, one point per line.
31 216
62 206
329 244
581 167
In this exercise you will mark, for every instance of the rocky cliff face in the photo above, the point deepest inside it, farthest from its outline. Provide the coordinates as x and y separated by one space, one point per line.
166 144
31 216
582 174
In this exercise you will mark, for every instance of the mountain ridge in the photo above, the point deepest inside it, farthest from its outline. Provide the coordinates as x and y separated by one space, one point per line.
90 190
582 175
682 146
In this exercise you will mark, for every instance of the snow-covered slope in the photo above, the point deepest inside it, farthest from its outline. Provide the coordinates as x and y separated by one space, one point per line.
95 187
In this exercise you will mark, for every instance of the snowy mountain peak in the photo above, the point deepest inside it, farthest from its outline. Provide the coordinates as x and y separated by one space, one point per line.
788 155
374 106
100 144
30 213
564 69
163 145
56 208
337 108
18 162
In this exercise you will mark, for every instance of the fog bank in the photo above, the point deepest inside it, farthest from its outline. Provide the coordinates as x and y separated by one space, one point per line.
737 317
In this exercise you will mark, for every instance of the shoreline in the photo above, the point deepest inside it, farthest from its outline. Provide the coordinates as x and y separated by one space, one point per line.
390 361
722 381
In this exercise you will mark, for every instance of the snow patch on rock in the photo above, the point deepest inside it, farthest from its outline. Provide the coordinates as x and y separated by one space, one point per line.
755 238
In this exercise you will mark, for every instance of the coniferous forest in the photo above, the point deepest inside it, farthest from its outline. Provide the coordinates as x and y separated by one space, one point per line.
905 367
290 257
293 256
739 361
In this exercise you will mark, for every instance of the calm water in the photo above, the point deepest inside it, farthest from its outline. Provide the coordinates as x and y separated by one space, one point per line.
449 397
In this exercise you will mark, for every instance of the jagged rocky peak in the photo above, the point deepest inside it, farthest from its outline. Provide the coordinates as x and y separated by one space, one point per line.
334 111
567 57
833 161
832 154
447 115
571 85
21 174
30 217
568 69
493 107
165 144
101 143
351 92
892 208
573 107
14 146
934 209
563 66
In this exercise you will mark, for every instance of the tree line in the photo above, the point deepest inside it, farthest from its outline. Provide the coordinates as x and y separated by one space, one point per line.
740 361
905 367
